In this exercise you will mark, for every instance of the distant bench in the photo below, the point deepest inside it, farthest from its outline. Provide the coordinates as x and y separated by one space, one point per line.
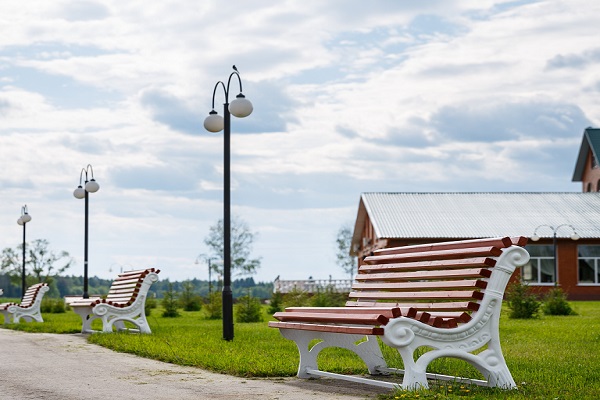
29 307
446 296
125 302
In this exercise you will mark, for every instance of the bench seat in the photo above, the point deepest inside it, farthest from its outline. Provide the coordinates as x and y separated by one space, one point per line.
29 307
445 296
125 302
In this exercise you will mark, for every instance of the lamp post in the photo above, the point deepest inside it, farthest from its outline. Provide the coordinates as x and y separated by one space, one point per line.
535 238
209 261
240 107
82 192
23 220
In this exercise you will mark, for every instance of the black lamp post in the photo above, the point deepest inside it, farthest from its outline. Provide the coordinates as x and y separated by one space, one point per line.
209 261
23 220
535 238
240 107
91 186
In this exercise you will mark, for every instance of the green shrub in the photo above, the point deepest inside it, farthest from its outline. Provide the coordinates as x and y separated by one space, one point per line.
555 303
522 302
188 299
328 298
295 298
150 304
170 303
53 306
214 306
276 303
248 309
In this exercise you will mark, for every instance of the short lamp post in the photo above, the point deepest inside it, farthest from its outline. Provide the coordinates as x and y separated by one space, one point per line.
210 263
240 107
82 192
535 238
23 220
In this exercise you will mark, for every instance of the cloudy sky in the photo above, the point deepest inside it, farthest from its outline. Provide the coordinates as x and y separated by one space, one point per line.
349 97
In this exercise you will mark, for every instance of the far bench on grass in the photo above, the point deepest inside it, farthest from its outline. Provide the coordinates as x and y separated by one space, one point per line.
445 296
29 307
125 302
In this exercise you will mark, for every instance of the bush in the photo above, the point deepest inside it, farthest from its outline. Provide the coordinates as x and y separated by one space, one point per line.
53 306
522 302
170 303
214 306
248 309
150 304
189 300
555 303
295 298
275 304
328 298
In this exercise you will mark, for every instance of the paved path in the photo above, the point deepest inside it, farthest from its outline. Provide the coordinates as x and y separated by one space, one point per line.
66 367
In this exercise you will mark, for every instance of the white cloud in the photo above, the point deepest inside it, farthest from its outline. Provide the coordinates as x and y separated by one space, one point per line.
349 97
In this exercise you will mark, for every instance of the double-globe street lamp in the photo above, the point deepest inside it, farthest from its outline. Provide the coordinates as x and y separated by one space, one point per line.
82 192
23 220
240 107
535 238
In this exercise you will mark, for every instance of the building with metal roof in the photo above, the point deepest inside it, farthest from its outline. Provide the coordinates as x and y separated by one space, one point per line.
566 225
588 160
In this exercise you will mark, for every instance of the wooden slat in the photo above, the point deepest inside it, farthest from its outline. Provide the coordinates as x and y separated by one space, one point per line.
417 286
358 330
431 295
428 265
502 242
436 255
390 312
421 275
347 318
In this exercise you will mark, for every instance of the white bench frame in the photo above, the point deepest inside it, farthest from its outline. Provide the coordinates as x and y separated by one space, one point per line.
27 313
114 317
407 335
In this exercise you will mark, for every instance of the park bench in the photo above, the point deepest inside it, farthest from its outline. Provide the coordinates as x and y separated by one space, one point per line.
29 307
444 298
125 302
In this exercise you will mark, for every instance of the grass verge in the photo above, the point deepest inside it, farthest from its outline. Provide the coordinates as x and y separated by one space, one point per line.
554 357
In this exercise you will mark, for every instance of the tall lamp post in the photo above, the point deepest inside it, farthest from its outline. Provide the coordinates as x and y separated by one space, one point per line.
82 192
573 236
23 220
240 107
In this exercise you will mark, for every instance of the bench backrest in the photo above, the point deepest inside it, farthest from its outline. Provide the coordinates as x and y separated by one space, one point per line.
31 294
440 284
128 285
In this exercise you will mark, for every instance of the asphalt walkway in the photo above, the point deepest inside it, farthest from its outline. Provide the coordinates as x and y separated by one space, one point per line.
45 366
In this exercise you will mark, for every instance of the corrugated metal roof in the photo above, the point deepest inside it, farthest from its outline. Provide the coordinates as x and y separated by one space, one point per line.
472 215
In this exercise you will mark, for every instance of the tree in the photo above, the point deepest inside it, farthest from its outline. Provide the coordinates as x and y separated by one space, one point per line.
241 247
41 264
343 258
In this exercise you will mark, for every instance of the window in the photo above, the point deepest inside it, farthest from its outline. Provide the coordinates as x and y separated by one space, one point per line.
589 187
589 264
598 186
540 268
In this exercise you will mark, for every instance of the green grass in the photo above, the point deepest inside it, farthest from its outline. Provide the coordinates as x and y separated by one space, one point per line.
553 357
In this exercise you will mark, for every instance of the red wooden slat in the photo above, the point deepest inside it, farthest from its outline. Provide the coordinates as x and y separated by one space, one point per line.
436 255
347 318
358 330
428 265
462 244
421 275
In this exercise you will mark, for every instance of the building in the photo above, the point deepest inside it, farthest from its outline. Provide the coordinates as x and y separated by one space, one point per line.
566 255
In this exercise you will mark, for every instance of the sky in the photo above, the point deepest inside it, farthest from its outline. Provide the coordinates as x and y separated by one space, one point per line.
349 97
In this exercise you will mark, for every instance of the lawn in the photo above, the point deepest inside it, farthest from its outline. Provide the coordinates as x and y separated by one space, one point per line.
550 358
